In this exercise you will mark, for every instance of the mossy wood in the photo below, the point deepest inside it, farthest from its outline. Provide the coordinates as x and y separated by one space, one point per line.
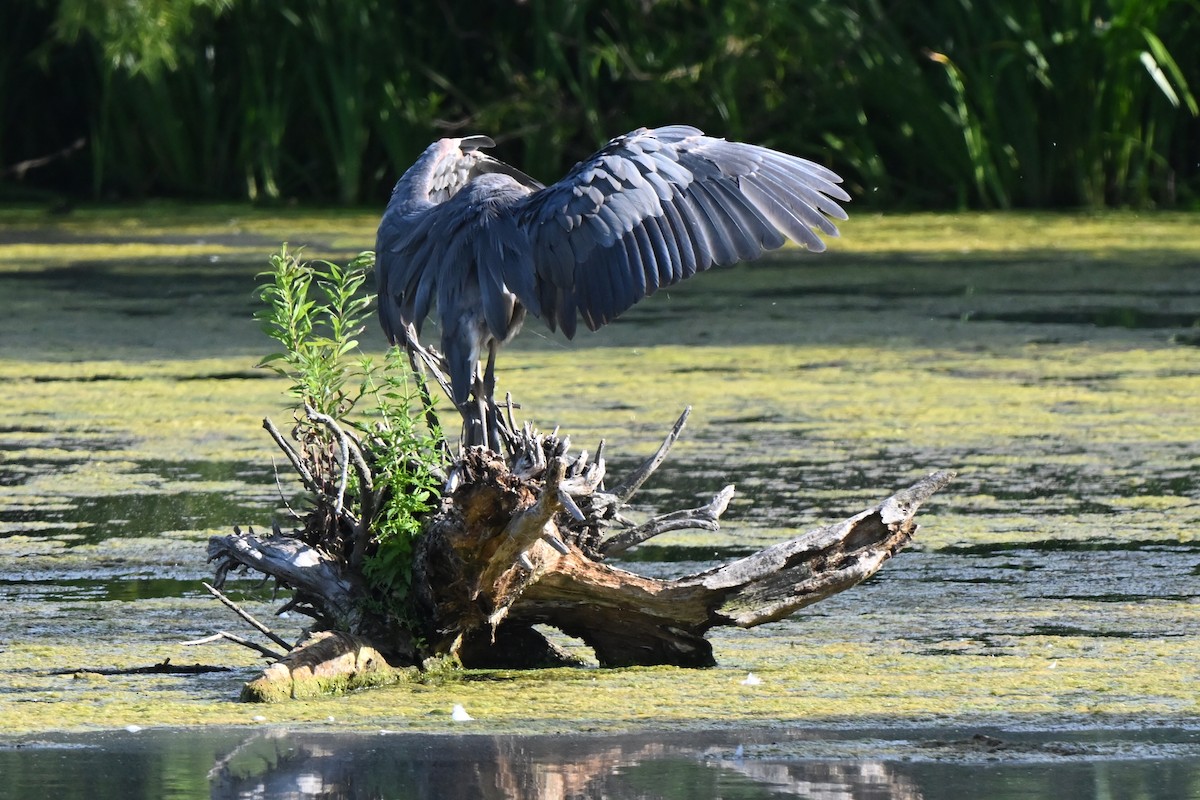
520 541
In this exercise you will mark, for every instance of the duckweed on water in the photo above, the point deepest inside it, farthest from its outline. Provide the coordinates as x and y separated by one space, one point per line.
1052 583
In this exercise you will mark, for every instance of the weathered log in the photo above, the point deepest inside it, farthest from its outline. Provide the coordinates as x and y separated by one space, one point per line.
324 588
487 574
628 619
328 662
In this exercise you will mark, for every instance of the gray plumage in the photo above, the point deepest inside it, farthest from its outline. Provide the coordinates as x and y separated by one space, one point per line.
486 243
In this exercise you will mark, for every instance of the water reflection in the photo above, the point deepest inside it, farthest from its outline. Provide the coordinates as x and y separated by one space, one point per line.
737 765
699 765
170 501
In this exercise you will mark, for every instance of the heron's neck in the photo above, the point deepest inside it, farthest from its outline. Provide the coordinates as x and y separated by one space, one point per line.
415 185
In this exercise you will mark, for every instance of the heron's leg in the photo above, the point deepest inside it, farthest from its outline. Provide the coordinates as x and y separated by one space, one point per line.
477 406
470 423
474 431
492 418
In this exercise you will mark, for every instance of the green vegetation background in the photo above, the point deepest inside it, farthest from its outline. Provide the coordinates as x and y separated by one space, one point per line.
918 103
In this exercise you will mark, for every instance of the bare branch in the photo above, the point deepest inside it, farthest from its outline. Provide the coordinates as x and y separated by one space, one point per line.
301 604
705 517
297 463
279 488
249 618
350 454
417 355
343 453
567 502
625 489
229 637
509 405
163 668
21 167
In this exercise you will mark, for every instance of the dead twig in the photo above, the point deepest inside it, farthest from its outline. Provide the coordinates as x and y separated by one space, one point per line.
306 477
419 360
349 453
249 618
626 488
229 637
705 517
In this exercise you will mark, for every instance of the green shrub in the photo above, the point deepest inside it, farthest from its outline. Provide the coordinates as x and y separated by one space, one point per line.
361 428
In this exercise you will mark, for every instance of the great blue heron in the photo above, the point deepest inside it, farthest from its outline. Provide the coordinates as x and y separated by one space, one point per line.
486 242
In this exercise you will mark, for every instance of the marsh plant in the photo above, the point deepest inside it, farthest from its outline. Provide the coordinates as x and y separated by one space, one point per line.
362 442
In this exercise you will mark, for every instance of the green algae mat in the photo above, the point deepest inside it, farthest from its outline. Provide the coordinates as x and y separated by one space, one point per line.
1053 361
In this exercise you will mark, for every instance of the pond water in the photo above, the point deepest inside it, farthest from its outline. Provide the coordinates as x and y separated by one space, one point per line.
1041 637
816 764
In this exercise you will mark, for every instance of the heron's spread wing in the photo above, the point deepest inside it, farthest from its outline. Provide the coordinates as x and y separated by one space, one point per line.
425 236
656 206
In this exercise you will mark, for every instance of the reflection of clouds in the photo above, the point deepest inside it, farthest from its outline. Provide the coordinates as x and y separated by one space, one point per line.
316 765
310 783
830 780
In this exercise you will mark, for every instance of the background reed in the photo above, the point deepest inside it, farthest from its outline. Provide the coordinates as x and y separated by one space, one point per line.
918 103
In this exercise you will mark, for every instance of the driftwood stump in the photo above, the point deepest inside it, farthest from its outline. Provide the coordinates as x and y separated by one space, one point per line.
521 541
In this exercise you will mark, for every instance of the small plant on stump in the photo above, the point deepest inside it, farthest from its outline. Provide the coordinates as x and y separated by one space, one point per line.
362 448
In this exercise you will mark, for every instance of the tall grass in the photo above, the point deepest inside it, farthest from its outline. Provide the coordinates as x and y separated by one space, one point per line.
1062 103
927 103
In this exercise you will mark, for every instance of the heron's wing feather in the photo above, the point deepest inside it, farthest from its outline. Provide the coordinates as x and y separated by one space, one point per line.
654 207
501 255
395 274
408 250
